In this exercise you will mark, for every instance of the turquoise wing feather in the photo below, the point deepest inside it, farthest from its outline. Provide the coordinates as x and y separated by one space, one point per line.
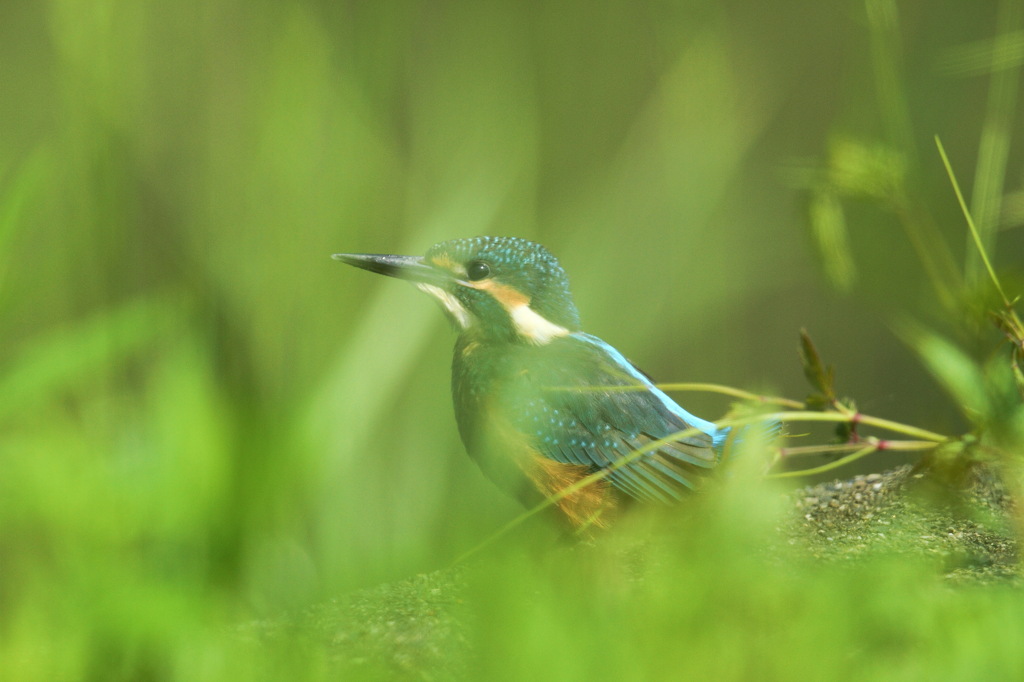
571 402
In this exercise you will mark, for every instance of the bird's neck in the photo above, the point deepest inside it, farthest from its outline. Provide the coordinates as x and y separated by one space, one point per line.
478 361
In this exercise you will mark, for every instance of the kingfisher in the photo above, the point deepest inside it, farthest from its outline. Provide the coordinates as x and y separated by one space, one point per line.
539 403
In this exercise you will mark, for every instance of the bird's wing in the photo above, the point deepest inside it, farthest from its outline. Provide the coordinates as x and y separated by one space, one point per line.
576 412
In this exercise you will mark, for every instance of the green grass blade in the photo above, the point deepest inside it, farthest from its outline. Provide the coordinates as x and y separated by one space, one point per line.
957 372
14 198
994 148
970 222
65 358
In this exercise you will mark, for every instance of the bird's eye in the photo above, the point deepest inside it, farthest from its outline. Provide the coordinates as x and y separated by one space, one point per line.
477 270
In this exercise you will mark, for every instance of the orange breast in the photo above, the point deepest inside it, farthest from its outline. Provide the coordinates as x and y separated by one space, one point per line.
505 453
593 505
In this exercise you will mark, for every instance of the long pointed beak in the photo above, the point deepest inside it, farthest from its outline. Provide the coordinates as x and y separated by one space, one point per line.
411 268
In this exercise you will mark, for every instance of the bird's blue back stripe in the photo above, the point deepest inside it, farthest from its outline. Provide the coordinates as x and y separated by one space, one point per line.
671 405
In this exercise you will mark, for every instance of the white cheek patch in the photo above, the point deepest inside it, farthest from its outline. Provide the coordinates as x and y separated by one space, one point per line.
451 304
533 327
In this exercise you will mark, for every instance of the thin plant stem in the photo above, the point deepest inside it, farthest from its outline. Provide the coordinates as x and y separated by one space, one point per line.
734 392
833 449
859 418
862 452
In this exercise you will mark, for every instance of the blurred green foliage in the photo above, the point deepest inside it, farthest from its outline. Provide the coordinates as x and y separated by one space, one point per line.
203 420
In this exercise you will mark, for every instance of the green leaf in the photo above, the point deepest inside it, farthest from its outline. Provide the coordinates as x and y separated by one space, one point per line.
864 170
64 358
820 376
982 57
15 195
828 225
955 370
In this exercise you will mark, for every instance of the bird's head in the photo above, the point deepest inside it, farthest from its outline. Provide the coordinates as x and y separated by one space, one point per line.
496 288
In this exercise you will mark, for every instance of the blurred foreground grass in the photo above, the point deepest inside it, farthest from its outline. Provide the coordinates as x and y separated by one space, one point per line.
862 580
208 432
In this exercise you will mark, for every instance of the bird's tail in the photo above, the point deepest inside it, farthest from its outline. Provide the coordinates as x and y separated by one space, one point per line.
727 439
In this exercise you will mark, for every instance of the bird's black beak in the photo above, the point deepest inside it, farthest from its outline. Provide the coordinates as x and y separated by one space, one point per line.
411 268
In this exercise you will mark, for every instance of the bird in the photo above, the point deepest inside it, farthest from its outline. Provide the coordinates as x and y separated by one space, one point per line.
540 404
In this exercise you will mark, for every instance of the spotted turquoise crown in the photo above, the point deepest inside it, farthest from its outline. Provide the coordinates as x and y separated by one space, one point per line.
521 266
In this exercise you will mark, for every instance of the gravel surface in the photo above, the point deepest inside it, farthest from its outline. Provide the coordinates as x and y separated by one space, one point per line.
907 513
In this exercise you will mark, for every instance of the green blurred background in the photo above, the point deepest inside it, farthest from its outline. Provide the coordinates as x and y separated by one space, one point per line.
203 417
